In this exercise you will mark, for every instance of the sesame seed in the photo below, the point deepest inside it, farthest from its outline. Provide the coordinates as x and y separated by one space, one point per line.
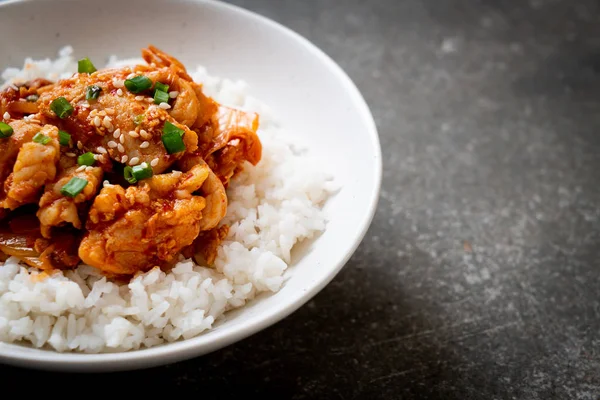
118 84
122 138
6 115
106 122
144 164
79 145
154 162
145 135
144 145
117 133
93 113
112 144
110 111
81 168
124 159
106 184
119 92
102 113
164 106
139 98
97 121
173 94
101 150
149 100
131 75
120 148
70 154
133 134
134 161
89 169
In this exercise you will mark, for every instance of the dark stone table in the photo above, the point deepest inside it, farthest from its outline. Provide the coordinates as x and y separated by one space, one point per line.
480 277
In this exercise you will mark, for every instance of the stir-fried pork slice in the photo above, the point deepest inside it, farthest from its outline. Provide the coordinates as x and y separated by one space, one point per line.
9 147
34 167
57 209
143 226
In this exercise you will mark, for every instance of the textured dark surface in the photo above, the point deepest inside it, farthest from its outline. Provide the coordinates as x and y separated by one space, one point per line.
479 278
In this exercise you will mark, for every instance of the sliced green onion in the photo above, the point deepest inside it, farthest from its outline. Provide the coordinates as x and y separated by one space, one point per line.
85 66
128 174
64 138
161 97
74 187
86 159
92 92
137 173
158 86
41 138
138 119
172 138
142 171
5 130
138 84
61 107
171 128
32 98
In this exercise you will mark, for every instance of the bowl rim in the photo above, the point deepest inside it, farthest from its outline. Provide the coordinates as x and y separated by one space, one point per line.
194 347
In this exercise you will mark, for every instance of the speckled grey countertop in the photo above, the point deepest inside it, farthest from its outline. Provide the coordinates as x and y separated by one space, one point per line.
479 278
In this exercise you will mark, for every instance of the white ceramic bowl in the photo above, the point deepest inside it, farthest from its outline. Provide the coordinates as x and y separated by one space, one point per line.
306 89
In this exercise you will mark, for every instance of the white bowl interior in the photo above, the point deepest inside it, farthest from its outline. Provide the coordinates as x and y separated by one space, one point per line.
312 97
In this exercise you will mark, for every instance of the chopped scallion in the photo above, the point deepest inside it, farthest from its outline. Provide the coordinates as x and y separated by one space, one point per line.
128 174
86 159
85 66
5 130
172 138
92 92
41 138
61 107
137 173
64 138
161 97
74 187
161 87
138 84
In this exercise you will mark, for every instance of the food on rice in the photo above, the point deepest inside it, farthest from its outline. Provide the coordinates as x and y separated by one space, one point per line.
130 172
141 202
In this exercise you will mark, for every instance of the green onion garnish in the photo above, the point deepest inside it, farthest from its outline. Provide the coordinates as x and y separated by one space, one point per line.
92 92
128 174
138 84
41 138
142 171
138 119
161 87
172 138
5 130
85 66
61 107
32 98
137 173
74 187
64 138
86 159
161 97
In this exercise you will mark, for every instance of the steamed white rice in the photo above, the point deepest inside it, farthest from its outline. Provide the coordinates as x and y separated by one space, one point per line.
271 208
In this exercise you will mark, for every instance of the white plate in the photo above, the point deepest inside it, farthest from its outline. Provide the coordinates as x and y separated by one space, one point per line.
311 95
